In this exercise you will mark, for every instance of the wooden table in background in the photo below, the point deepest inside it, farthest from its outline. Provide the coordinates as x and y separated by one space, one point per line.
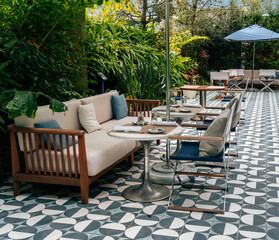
202 89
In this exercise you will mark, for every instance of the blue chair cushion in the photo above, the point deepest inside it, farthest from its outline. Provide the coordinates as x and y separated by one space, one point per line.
190 151
229 98
54 125
177 97
119 106
206 121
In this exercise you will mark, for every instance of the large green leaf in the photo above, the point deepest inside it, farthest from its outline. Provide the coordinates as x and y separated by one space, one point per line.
57 106
23 103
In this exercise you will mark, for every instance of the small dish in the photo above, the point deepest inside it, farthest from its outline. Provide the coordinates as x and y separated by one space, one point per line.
175 106
141 124
185 110
156 130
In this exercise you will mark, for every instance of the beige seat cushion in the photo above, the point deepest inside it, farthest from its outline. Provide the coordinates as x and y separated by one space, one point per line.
101 152
216 129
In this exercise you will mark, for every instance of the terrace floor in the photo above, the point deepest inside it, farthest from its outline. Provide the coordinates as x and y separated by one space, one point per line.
252 208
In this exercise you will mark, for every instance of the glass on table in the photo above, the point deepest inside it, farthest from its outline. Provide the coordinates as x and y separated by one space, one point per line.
183 100
154 117
140 121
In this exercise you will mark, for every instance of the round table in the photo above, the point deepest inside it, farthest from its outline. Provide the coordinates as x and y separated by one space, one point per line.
202 89
146 191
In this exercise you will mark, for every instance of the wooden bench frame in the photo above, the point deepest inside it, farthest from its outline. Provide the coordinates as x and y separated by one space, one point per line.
72 177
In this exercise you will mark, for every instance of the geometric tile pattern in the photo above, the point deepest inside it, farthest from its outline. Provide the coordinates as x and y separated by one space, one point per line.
252 206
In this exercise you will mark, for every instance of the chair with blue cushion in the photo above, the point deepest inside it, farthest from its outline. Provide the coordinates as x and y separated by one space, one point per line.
235 121
207 148
267 77
233 92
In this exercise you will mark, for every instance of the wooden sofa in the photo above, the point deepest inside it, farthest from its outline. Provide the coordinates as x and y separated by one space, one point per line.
90 156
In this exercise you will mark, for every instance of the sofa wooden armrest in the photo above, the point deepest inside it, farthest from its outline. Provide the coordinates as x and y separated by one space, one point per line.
136 106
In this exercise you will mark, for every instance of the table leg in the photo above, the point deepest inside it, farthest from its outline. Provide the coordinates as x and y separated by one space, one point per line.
146 192
203 98
202 103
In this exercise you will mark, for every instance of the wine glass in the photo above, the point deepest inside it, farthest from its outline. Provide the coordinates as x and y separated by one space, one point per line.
154 117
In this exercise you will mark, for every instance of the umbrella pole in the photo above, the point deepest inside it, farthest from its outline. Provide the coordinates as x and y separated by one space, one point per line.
253 65
167 61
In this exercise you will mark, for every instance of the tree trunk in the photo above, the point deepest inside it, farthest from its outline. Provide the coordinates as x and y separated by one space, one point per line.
79 37
195 5
143 14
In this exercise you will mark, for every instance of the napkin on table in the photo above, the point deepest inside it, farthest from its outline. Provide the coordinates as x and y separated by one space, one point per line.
192 105
165 124
127 128
163 108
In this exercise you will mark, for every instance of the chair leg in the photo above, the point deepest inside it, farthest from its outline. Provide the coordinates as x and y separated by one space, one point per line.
189 209
217 211
220 165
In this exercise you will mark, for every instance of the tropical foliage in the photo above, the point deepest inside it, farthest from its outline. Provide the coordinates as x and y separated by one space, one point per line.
131 58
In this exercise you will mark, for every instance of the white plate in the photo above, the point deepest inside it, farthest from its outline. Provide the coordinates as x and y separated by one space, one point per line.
185 110
136 123
156 130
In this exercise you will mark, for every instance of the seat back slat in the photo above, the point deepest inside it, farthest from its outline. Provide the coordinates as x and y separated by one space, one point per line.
25 153
49 156
75 156
37 154
56 155
31 155
44 154
68 157
62 157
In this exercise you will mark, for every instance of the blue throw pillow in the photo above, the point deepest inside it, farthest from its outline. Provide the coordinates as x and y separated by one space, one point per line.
119 106
54 125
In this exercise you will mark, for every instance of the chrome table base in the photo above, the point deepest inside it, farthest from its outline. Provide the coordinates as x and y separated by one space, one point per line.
146 192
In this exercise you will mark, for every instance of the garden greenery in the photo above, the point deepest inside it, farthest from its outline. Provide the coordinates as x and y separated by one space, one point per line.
48 52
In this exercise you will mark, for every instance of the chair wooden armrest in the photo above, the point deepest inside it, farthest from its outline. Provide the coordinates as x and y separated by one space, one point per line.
221 108
179 137
195 125
233 91
136 106
207 114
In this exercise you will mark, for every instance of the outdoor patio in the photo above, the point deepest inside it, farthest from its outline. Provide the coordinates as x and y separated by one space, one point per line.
55 212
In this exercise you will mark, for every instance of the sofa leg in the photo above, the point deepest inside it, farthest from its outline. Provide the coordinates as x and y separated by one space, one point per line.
84 192
131 160
16 187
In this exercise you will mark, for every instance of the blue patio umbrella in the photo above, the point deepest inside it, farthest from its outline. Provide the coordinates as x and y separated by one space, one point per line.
254 33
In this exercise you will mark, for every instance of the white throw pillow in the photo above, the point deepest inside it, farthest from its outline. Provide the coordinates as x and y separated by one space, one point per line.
87 118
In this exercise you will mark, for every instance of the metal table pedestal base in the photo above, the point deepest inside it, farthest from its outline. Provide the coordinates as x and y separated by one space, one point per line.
146 192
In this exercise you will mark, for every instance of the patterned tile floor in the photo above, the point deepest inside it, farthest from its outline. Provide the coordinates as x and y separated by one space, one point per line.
252 206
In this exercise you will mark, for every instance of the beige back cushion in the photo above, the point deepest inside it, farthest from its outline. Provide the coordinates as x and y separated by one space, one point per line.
216 129
102 105
67 120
